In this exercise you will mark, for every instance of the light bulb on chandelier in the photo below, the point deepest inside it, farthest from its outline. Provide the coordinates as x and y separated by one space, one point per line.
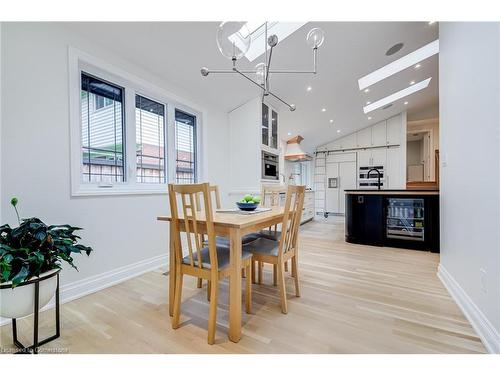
233 39
315 37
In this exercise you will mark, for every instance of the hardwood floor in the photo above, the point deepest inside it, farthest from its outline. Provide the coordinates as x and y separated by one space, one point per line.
355 299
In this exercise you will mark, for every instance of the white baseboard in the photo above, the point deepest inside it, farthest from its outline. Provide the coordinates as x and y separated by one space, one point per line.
95 283
483 327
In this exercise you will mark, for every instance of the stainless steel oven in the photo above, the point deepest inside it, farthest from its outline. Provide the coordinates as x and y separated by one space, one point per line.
270 166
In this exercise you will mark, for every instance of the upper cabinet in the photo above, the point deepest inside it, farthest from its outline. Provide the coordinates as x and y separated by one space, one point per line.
394 130
383 133
265 124
379 134
269 127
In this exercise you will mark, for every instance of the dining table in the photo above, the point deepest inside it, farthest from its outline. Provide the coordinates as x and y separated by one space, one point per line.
234 225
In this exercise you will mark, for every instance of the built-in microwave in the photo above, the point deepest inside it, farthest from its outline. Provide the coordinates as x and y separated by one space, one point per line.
270 166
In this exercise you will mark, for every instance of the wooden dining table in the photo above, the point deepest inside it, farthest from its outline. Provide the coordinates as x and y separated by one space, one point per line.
233 225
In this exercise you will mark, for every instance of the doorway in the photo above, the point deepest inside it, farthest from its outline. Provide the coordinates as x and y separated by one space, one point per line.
419 156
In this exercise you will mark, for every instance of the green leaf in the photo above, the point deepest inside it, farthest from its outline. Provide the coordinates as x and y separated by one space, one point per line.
14 201
20 277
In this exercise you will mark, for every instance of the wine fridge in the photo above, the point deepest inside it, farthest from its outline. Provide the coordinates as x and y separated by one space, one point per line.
405 219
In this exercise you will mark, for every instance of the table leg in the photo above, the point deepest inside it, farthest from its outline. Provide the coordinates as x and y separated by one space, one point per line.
171 273
235 286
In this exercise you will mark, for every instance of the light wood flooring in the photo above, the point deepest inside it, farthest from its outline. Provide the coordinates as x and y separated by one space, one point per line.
355 299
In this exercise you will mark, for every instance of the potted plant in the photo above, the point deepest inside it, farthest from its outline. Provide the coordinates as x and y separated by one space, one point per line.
31 253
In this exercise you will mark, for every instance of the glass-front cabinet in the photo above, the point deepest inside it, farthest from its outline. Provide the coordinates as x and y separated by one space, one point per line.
269 127
265 124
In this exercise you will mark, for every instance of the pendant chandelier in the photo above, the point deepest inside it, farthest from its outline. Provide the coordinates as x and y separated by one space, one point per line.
234 39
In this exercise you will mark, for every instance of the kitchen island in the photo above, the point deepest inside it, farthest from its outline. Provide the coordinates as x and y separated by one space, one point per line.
397 218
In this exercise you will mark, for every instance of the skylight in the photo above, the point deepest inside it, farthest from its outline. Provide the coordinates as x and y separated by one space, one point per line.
397 95
396 66
281 29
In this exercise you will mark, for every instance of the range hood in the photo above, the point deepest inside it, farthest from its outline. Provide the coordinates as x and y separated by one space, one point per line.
293 150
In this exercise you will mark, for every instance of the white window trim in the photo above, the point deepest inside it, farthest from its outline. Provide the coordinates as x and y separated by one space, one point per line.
79 61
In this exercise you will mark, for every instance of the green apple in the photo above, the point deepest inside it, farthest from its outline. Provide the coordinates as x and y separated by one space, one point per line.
248 198
256 199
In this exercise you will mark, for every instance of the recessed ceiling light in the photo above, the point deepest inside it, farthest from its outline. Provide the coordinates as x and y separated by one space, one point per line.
401 64
367 90
397 95
331 121
323 110
417 66
412 82
309 88
338 131
406 103
431 22
289 133
369 118
368 103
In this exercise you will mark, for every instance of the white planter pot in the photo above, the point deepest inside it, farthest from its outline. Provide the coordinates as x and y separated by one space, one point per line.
20 301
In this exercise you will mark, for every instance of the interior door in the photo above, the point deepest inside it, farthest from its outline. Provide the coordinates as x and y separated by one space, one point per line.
332 193
347 174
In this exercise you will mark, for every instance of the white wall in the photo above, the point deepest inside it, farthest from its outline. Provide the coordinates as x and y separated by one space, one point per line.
469 86
35 153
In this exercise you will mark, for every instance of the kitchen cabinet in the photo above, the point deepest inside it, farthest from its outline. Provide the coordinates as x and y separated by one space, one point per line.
364 219
348 142
372 157
269 127
393 169
340 176
364 138
394 130
379 134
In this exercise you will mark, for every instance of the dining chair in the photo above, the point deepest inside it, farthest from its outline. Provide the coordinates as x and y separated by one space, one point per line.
279 252
271 197
209 262
221 241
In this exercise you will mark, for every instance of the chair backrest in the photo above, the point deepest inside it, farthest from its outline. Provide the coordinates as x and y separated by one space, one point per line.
214 190
188 215
294 204
271 195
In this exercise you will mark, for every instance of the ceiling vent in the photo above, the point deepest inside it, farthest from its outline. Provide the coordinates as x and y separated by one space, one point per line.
387 106
394 49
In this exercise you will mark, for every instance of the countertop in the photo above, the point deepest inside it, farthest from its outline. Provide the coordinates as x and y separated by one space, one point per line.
392 192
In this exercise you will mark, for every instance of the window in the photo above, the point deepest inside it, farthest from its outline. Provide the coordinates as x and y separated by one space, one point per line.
102 131
128 136
185 148
150 140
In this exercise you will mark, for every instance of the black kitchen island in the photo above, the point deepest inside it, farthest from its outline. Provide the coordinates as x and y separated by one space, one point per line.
398 218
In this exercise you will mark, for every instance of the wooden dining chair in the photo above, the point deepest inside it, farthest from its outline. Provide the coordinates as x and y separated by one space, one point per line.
278 252
271 197
209 262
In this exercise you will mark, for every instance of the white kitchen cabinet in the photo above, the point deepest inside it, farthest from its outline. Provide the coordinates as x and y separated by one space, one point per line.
393 170
372 157
348 142
341 175
379 134
336 145
394 130
364 138
379 157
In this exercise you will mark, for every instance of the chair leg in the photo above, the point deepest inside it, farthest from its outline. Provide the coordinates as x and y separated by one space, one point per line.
212 316
209 287
286 266
243 273
260 265
295 272
177 300
248 297
200 282
275 274
282 287
253 272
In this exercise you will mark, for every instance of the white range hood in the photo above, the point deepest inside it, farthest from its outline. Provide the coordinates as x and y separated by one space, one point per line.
293 150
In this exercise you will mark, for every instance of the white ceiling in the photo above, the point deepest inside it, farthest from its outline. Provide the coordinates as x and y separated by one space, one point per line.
176 51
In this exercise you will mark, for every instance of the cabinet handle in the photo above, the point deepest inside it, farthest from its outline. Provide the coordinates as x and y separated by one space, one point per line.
361 199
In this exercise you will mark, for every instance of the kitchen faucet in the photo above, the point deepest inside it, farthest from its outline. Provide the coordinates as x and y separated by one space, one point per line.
378 173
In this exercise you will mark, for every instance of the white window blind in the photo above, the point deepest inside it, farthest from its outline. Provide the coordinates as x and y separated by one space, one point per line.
185 148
